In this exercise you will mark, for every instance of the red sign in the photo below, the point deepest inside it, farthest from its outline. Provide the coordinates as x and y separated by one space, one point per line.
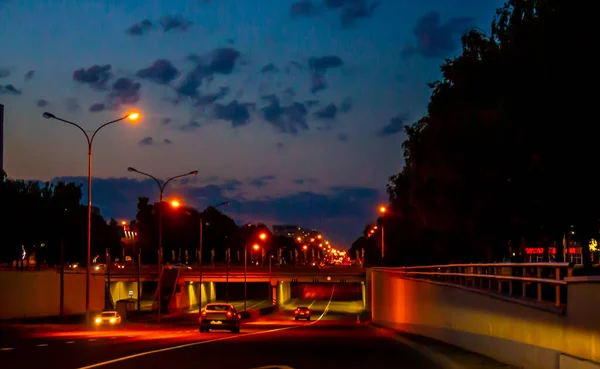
551 250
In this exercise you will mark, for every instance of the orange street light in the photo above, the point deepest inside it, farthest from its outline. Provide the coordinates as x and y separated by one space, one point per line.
382 209
299 239
256 247
133 116
304 247
263 236
175 203
375 227
312 240
319 236
123 222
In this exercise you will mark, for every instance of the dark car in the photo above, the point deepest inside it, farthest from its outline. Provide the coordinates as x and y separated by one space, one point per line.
302 313
220 316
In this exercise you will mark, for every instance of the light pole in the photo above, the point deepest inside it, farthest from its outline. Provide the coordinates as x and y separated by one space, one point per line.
161 188
90 141
263 236
382 210
225 203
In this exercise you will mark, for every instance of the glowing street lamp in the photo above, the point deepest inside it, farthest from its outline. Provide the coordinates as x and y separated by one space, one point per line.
256 247
90 140
382 210
161 188
175 203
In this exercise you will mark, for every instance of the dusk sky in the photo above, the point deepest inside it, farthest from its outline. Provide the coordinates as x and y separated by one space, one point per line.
293 110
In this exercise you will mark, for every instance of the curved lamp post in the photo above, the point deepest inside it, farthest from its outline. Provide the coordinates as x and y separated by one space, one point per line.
90 141
161 187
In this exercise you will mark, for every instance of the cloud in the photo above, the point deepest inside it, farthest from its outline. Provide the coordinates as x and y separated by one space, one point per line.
340 212
97 107
10 89
395 126
161 71
349 10
260 182
72 105
166 141
304 8
328 112
41 103
302 181
346 105
342 137
174 22
140 28
233 112
286 119
124 92
269 68
146 141
434 39
4 73
165 121
29 75
321 64
95 76
190 126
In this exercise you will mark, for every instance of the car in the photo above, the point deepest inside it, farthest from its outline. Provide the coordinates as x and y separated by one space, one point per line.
110 318
302 313
221 317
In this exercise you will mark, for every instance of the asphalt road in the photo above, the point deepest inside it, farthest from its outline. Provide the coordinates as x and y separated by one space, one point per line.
334 338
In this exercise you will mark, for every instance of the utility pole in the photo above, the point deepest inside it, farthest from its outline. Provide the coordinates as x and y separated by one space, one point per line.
2 140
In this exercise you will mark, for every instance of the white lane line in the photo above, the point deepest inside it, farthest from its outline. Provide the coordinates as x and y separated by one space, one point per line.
6 349
259 303
42 345
124 358
312 303
70 342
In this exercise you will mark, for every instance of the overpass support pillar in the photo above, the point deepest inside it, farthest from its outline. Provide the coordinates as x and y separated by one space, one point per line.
282 292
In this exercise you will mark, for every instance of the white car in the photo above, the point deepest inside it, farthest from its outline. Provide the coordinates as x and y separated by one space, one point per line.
111 318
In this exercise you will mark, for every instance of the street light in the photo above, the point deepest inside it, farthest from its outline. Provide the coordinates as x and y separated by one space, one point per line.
382 210
90 141
161 187
262 236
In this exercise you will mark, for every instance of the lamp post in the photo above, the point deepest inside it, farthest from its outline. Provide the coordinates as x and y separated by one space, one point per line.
263 236
90 141
225 203
382 210
161 188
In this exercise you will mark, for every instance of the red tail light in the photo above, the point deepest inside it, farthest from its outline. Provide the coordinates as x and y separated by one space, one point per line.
307 311
204 313
229 313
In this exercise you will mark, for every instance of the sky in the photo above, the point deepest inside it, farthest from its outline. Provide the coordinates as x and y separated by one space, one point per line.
291 110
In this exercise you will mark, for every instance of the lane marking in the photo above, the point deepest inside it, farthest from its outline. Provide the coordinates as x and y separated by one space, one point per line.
91 340
42 345
274 367
113 338
129 357
69 342
312 303
6 349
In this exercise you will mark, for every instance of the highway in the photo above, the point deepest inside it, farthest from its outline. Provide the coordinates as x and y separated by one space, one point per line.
334 338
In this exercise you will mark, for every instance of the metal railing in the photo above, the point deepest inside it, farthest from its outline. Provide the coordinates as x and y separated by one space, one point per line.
511 279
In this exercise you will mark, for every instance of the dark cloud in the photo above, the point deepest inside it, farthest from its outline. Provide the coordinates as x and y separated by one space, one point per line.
41 103
304 8
161 71
234 112
437 40
208 99
4 73
342 137
29 75
321 64
97 107
260 182
354 10
317 82
328 112
72 105
190 126
338 212
124 92
95 76
166 141
279 145
10 89
395 126
223 60
286 119
140 28
301 181
219 61
174 22
146 141
165 121
269 68
310 103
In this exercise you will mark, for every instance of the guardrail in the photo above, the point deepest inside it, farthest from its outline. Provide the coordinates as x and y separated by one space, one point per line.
511 279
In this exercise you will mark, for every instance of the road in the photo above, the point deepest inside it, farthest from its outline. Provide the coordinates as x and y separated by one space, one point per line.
332 339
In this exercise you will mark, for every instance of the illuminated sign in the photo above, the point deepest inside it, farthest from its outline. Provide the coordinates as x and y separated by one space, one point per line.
551 250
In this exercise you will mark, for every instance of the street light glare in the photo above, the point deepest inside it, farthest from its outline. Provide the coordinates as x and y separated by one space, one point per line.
263 236
256 247
382 209
175 203
133 116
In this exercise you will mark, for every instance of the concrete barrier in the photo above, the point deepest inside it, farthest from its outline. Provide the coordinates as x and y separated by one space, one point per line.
500 328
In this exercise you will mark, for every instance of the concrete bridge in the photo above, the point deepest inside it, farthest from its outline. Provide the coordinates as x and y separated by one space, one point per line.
533 316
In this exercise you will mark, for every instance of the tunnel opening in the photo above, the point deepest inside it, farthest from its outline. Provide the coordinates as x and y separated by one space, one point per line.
235 291
323 291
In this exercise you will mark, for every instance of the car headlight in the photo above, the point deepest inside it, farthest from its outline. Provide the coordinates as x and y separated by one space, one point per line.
113 320
98 320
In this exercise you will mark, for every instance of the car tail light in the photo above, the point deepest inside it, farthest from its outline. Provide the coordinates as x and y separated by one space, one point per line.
229 313
204 313
307 311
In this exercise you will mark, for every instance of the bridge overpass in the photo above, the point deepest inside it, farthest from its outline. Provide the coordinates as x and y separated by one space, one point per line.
532 316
